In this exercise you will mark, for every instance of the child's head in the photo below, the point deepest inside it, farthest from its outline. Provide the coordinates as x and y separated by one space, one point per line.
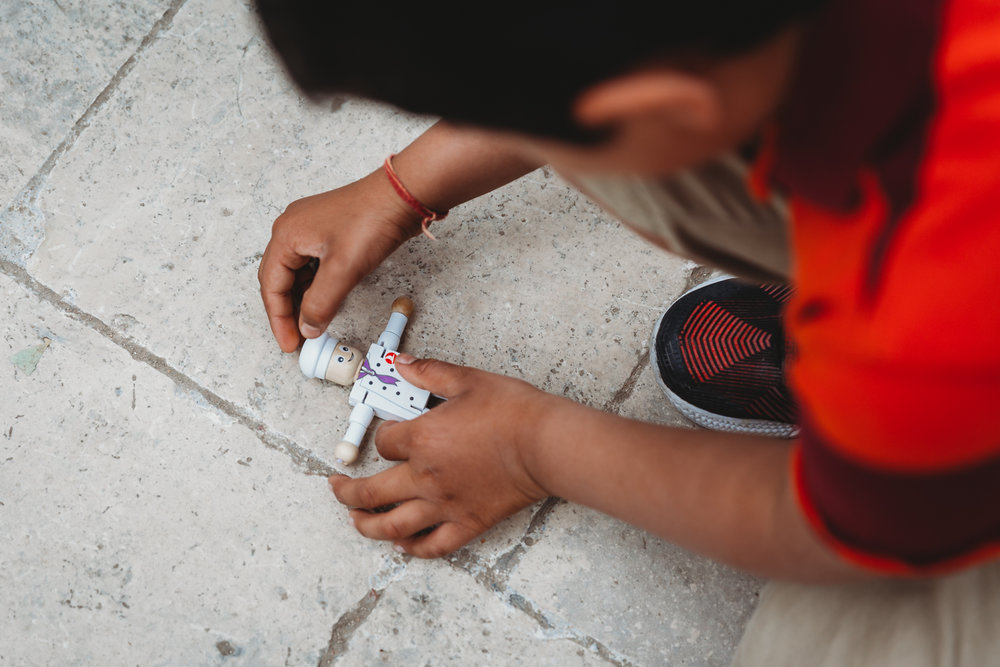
516 65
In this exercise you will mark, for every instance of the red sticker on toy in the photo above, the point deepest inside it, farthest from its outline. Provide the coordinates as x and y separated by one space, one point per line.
390 357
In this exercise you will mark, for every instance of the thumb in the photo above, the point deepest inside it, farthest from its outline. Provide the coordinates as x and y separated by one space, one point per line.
438 377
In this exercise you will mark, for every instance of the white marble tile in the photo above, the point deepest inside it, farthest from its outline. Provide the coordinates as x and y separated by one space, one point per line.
143 527
58 59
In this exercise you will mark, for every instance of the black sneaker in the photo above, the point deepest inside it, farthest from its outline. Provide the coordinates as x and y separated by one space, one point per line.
718 352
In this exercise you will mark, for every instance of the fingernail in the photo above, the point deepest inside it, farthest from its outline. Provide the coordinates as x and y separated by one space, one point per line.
404 358
309 331
398 549
350 520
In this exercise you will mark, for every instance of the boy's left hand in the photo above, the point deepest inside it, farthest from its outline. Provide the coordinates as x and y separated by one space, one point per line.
462 468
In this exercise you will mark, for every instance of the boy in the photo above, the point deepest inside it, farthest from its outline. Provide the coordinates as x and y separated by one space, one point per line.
879 122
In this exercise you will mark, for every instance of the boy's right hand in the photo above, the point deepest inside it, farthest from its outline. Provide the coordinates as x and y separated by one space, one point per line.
349 231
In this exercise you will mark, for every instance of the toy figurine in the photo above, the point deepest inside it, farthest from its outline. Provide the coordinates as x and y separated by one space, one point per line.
378 390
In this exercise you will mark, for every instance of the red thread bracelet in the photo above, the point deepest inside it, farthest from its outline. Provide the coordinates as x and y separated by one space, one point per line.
427 215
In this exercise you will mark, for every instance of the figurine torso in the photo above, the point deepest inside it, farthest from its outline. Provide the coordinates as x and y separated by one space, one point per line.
380 386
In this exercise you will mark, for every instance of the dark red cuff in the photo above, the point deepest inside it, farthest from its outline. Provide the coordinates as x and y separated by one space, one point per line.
896 520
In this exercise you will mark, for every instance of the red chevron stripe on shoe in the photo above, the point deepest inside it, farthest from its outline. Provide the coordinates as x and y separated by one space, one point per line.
718 352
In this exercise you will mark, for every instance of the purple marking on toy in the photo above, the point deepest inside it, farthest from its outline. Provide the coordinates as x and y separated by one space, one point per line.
366 369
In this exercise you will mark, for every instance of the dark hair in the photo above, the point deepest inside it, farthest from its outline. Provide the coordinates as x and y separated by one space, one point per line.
515 65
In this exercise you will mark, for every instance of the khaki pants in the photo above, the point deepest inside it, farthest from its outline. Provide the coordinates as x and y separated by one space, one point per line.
707 215
946 622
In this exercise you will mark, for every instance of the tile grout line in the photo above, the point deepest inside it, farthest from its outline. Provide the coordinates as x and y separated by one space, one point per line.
499 574
514 600
347 625
299 455
697 275
614 404
495 579
527 607
351 620
30 191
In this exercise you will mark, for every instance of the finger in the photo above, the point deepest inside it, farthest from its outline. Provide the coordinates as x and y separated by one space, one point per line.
392 442
322 299
390 486
440 542
438 377
277 276
399 523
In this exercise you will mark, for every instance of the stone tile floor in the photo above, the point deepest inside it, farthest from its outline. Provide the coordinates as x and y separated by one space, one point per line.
162 464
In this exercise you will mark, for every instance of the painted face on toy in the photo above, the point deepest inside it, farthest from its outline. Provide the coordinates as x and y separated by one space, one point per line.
344 364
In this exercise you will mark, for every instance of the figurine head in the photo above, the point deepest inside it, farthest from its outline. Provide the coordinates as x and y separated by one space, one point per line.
329 359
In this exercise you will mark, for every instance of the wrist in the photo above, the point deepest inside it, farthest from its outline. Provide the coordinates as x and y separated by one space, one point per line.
383 198
426 213
538 441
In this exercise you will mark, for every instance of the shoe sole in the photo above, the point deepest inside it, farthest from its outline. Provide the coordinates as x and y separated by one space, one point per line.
710 420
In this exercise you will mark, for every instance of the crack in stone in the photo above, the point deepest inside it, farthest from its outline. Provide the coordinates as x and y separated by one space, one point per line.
347 624
696 276
24 201
301 456
508 561
614 405
495 579
525 606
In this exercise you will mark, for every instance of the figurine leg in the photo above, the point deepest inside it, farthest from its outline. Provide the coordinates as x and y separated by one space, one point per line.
346 450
